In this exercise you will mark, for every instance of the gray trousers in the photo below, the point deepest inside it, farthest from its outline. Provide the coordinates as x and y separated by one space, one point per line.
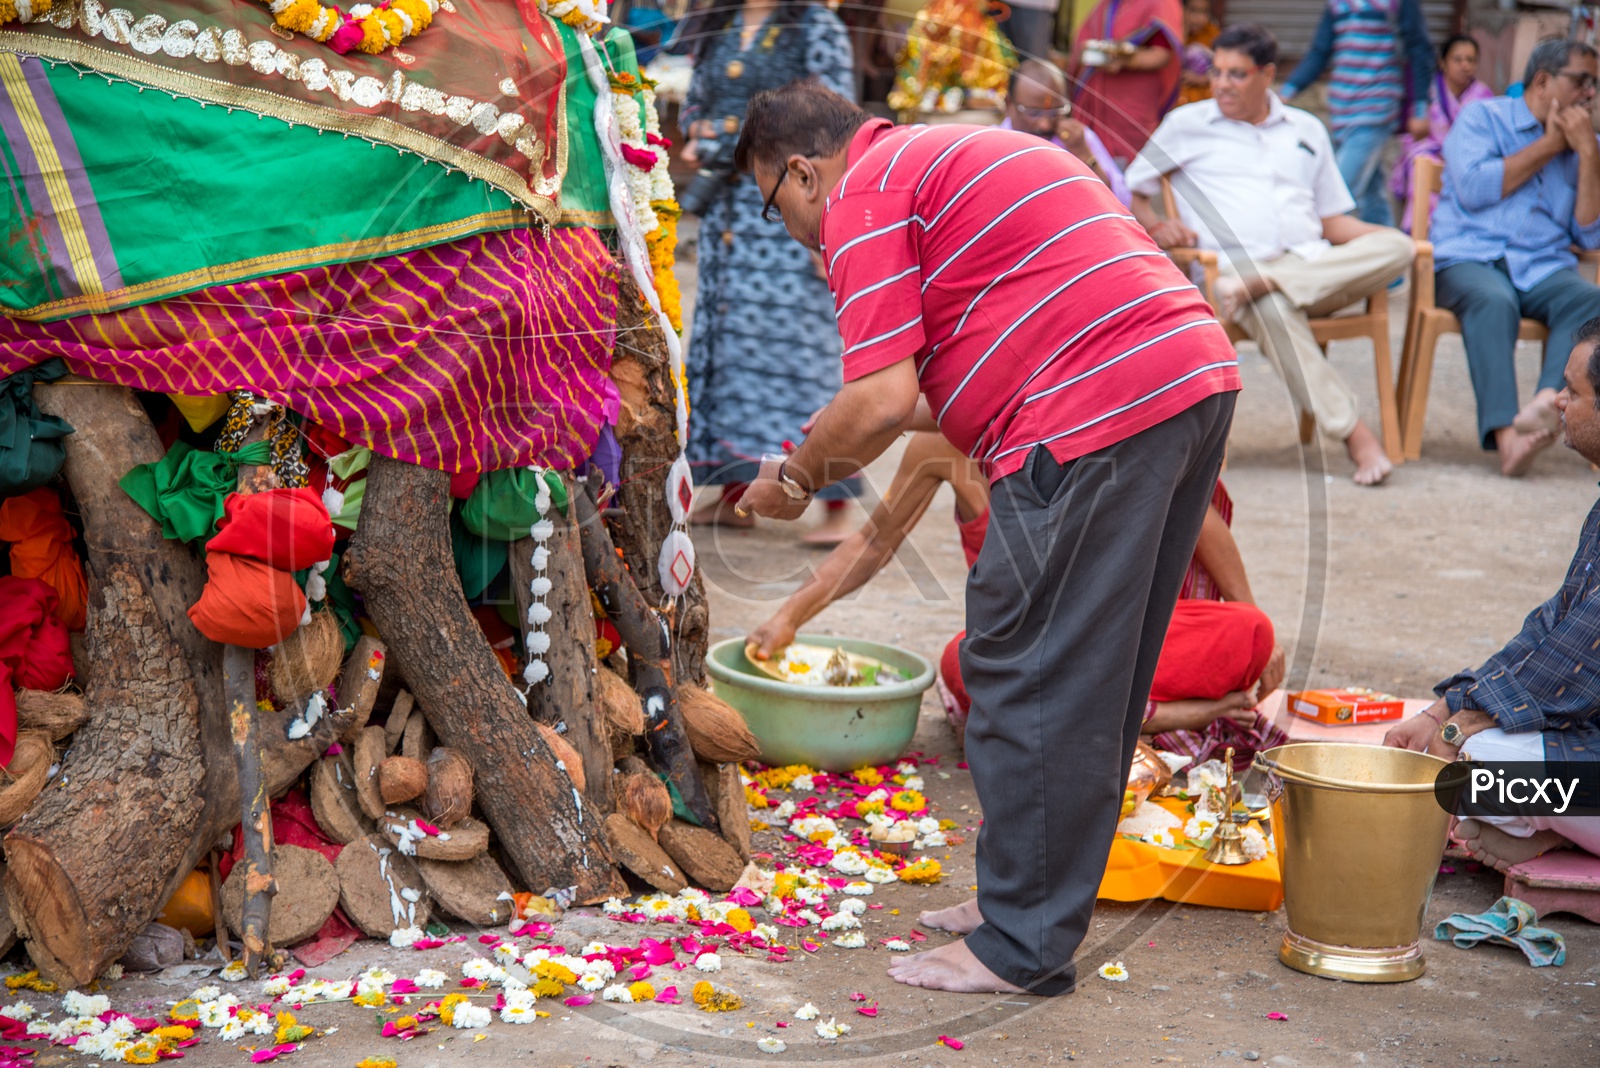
1067 609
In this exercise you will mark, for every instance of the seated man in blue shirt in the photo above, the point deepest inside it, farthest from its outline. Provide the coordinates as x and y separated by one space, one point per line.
1521 186
1538 699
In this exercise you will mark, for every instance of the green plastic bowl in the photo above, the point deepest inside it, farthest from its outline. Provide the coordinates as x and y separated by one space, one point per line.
831 728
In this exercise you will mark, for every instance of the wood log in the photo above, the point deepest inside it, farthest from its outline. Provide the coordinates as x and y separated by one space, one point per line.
448 798
258 887
400 560
394 728
566 698
308 892
649 643
56 714
475 890
333 799
647 432
158 728
639 853
8 926
380 889
365 758
716 730
702 855
733 809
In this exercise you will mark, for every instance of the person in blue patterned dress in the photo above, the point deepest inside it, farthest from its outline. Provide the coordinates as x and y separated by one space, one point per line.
764 352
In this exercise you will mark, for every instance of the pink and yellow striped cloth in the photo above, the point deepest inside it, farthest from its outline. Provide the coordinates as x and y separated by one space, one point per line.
488 352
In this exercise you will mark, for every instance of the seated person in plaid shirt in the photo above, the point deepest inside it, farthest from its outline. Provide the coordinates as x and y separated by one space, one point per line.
1219 659
1537 699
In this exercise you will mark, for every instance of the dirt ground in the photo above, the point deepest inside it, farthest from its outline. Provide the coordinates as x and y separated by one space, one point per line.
1392 587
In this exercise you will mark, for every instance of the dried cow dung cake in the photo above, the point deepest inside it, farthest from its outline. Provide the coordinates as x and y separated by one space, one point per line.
400 714
727 797
465 840
702 854
638 852
380 889
8 926
368 755
475 890
308 892
333 799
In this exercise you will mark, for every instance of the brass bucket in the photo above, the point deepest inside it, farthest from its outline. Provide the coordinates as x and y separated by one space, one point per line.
1359 836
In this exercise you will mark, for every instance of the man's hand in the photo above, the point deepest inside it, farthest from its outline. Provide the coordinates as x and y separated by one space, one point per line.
1419 128
1415 733
1471 721
1171 233
1071 132
765 496
1577 128
1272 674
770 637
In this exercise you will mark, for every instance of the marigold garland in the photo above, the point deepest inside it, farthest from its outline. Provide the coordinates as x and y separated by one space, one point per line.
368 28
663 245
24 10
924 871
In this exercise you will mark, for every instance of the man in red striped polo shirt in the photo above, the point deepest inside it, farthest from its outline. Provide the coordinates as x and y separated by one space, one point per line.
991 273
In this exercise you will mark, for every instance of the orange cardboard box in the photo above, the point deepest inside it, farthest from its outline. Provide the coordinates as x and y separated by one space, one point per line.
1345 708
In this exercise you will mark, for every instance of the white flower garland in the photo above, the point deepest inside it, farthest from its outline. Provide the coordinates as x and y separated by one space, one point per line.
537 639
660 180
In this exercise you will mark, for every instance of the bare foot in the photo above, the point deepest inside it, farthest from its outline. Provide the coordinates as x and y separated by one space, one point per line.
1490 846
1366 452
720 513
1517 450
951 968
837 525
960 919
1539 414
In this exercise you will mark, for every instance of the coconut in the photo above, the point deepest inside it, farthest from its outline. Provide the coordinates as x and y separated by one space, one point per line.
448 797
401 779
717 732
565 755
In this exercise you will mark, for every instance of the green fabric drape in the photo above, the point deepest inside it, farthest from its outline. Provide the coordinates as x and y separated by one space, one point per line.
479 560
501 506
30 441
185 489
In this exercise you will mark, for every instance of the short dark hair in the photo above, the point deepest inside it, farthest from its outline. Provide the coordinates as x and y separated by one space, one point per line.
1550 56
803 118
1455 39
1589 334
1026 70
1253 39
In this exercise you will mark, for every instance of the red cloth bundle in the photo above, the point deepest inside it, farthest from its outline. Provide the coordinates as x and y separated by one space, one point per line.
35 649
247 602
288 529
41 548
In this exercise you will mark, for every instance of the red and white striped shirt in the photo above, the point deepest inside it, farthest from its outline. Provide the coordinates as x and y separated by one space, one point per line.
1037 309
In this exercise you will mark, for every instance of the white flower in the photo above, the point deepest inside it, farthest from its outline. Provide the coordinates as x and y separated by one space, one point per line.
233 1030
766 931
840 921
122 1027
1160 837
936 840
507 952
406 937
518 1013
803 782
380 975
708 962
260 1023
521 996
78 1003
1255 843
535 955
20 1011
913 782
927 825
602 969
876 874
215 1013
858 889
543 530
848 863
1200 827
853 907
591 983
807 1011
852 940
431 979
783 811
808 895
838 841
897 945
614 907
879 794
905 767
831 1029
593 947
617 992
1116 973
276 986
806 826
207 993
234 972
112 973
468 1017
483 970
768 1044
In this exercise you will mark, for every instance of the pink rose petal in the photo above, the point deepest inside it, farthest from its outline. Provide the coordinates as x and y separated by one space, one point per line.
668 996
917 936
404 986
577 1001
1277 1016
868 1010
779 1023
489 940
261 1056
953 1043
858 996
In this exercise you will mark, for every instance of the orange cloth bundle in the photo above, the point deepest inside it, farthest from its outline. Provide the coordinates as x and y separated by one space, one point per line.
41 548
288 529
35 650
247 602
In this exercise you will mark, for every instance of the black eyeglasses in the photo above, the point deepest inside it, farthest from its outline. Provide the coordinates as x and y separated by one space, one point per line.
766 209
1581 78
1044 113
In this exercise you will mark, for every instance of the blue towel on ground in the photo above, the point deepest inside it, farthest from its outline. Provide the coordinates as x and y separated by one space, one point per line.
1509 923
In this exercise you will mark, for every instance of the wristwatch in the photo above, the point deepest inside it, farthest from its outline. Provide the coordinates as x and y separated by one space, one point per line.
793 489
1453 735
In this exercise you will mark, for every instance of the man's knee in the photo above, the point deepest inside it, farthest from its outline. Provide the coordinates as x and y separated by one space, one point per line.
1389 248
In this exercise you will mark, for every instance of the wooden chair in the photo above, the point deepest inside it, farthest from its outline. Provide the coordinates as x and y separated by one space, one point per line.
1426 322
1372 323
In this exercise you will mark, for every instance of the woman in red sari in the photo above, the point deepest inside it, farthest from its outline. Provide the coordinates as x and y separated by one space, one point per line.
1123 96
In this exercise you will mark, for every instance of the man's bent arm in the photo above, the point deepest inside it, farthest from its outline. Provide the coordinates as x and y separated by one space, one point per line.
861 421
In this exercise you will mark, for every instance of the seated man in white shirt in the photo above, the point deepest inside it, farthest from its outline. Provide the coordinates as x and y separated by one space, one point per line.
1257 181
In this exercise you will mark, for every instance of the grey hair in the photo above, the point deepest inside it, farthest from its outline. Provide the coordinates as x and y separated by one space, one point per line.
1551 54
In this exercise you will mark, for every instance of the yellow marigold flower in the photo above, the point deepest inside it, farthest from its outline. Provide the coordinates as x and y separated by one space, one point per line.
740 920
923 871
753 797
405 1023
710 999
300 15
290 1029
447 1008
757 825
375 1062
908 801
30 981
371 36
702 991
173 1032
417 11
142 1053
187 1009
372 999
692 913
641 991
784 885
548 988
868 807
549 969
867 776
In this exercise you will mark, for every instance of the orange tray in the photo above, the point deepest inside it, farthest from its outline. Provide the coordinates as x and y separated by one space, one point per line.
1138 871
